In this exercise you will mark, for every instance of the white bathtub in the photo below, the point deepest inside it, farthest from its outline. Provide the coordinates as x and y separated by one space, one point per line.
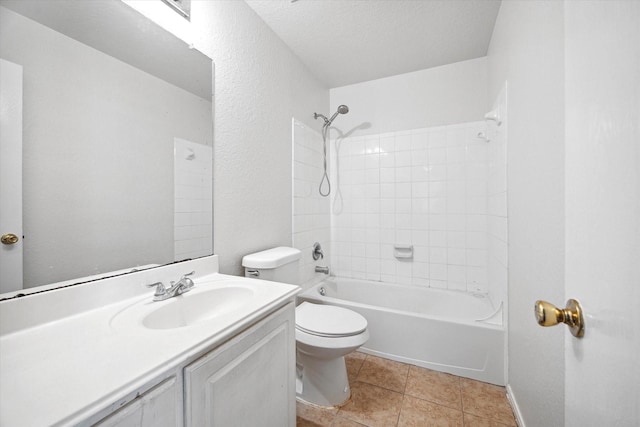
436 329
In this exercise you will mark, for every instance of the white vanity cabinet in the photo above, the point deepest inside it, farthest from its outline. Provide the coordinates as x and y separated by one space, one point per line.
249 380
155 408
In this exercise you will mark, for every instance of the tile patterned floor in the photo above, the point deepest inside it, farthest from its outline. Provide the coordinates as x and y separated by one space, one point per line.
387 393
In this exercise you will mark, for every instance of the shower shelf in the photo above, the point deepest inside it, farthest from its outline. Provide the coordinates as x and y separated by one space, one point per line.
403 251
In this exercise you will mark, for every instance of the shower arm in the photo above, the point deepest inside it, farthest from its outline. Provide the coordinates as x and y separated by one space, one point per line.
326 121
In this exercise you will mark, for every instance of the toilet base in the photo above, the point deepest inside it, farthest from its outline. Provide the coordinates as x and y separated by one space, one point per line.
322 382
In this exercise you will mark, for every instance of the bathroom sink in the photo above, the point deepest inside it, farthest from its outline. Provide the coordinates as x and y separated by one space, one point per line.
189 309
200 304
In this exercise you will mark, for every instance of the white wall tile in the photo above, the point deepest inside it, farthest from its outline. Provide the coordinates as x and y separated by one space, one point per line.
311 221
438 255
403 142
193 217
440 189
419 139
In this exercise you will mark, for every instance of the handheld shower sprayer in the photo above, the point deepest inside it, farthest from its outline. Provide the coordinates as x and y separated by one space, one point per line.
342 109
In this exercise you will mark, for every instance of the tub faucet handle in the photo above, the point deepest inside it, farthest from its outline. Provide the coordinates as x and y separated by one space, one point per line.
317 252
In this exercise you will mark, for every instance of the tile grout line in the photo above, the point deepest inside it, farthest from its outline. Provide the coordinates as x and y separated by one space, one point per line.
404 394
400 411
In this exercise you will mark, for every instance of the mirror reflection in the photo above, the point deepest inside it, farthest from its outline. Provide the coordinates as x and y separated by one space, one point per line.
116 147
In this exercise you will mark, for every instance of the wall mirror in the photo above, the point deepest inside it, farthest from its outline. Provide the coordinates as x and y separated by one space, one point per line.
116 141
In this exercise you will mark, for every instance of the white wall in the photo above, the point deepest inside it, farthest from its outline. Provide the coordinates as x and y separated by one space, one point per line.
259 86
527 50
450 94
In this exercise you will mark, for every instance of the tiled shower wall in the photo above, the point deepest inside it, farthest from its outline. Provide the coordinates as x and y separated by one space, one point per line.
426 188
311 219
193 199
441 190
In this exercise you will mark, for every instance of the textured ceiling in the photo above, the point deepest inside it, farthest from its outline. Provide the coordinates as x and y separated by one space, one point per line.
350 41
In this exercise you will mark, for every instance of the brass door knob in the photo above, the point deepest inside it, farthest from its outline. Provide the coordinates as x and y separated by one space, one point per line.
548 314
9 239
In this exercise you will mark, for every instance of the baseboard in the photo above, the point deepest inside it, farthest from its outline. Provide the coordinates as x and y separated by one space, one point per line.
515 407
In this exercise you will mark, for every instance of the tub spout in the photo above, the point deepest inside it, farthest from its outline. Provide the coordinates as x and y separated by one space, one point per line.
324 270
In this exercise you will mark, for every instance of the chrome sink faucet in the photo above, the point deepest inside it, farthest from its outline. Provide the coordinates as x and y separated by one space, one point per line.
183 285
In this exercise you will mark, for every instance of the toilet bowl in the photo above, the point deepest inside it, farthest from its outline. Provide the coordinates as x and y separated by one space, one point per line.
324 333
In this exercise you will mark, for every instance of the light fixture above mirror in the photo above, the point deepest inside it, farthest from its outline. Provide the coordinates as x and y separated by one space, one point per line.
182 7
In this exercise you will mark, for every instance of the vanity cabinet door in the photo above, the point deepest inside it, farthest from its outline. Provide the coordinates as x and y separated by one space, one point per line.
155 408
248 381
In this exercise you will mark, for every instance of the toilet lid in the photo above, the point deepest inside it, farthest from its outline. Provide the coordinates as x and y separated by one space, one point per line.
328 320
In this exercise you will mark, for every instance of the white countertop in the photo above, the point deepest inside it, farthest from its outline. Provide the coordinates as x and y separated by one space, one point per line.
63 371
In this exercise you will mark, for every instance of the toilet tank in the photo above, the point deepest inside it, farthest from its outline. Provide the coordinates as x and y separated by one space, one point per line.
277 264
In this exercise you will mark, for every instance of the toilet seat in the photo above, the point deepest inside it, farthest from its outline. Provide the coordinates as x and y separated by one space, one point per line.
329 321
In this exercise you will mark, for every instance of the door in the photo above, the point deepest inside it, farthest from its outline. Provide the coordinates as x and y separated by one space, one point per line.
10 176
602 378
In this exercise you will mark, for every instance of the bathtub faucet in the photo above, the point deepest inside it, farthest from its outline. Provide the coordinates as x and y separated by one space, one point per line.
317 251
324 270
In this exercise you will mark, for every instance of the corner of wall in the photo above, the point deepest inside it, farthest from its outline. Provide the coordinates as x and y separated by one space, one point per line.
531 57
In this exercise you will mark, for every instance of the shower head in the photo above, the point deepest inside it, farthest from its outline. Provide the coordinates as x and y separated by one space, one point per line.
342 109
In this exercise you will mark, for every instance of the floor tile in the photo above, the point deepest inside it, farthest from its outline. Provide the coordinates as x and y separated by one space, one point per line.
421 413
486 401
436 387
343 422
313 416
384 373
475 421
430 398
354 362
372 406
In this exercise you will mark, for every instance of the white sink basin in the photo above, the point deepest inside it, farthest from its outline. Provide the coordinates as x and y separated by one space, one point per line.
188 309
200 304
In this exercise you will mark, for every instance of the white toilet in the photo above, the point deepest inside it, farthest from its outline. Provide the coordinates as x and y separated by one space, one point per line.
324 333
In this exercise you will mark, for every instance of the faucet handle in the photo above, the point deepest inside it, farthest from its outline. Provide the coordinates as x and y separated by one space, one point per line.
160 289
186 280
317 252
